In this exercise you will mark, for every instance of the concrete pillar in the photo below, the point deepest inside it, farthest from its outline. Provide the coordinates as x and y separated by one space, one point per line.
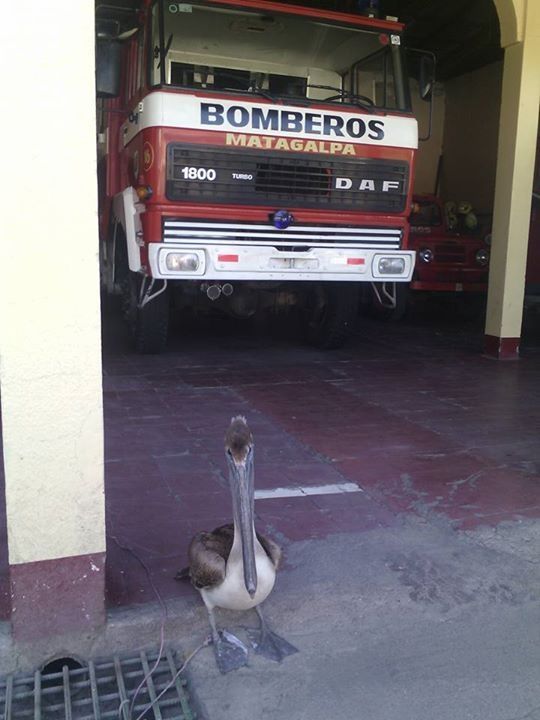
515 167
50 346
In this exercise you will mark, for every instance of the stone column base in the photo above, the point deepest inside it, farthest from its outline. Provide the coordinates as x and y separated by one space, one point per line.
501 348
57 597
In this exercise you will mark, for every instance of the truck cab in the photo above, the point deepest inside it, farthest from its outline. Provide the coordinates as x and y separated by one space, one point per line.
256 156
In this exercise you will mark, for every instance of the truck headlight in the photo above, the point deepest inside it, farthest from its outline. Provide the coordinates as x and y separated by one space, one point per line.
182 262
391 266
426 255
482 257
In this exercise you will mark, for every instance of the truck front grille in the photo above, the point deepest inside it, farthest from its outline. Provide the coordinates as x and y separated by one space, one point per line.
300 237
300 180
450 253
251 177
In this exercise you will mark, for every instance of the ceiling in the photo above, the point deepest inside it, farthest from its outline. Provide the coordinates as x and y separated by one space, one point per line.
463 34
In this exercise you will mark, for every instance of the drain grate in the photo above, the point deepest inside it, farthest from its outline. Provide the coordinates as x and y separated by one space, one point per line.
95 692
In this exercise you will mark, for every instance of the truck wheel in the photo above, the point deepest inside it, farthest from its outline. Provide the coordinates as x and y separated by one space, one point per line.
330 314
382 312
148 325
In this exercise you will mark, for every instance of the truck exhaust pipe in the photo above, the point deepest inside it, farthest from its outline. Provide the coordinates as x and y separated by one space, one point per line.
213 292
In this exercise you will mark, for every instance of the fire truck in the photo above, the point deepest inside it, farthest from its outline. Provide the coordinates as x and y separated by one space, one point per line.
253 157
451 256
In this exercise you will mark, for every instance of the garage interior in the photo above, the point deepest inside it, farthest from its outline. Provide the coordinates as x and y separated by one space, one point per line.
430 446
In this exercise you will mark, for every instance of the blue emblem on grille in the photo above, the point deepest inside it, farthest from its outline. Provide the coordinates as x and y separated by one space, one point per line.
282 219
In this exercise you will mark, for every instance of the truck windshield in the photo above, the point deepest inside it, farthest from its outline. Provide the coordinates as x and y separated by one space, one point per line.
226 49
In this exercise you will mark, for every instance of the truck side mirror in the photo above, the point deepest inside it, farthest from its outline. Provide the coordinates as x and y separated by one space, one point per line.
426 76
422 66
108 57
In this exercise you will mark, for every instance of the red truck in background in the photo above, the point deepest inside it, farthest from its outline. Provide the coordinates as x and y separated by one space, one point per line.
452 253
253 156
456 259
452 258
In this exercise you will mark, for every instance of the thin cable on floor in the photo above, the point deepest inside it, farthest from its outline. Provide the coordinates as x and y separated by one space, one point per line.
207 642
164 618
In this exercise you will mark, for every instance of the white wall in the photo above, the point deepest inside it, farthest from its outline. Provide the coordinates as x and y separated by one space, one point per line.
50 354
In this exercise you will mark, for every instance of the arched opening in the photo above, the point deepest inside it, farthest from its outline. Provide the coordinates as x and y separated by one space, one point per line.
516 151
507 11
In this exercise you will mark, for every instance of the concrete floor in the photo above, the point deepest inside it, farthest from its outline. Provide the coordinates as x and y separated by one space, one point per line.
415 597
412 622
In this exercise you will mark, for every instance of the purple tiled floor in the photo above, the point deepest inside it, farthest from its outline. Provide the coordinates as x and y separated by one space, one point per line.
412 413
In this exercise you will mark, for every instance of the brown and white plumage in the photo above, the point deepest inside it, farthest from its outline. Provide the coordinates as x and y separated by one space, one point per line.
209 551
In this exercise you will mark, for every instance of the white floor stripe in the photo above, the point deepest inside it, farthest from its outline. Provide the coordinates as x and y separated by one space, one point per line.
335 489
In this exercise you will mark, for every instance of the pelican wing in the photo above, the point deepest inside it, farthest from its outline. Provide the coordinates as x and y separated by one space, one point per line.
271 549
208 553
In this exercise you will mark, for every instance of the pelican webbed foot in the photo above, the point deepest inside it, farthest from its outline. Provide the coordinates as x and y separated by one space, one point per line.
265 642
230 652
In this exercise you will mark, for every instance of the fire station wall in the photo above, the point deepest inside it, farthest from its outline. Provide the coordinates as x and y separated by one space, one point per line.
429 151
50 328
471 128
516 149
50 370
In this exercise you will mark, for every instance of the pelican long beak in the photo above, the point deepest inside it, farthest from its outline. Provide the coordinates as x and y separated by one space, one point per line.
241 480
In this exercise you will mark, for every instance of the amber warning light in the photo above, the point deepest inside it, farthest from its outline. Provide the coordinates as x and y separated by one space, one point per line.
144 192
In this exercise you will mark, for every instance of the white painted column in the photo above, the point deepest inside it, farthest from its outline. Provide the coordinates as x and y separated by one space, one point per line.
515 167
50 343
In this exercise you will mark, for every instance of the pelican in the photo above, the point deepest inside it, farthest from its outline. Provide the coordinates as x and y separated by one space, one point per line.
234 567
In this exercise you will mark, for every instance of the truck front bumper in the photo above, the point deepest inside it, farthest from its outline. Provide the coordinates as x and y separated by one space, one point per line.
244 261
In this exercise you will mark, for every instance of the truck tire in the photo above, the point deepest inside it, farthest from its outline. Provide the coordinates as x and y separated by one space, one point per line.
148 325
330 314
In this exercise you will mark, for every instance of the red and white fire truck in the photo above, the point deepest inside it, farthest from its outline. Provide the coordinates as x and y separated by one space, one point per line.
452 256
254 155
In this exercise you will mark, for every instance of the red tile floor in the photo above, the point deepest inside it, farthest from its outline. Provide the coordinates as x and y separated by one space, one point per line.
412 413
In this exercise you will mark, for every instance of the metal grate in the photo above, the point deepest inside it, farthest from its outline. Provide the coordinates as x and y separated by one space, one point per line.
96 692
250 177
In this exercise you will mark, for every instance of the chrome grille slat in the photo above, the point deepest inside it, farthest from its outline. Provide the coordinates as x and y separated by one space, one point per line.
189 232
